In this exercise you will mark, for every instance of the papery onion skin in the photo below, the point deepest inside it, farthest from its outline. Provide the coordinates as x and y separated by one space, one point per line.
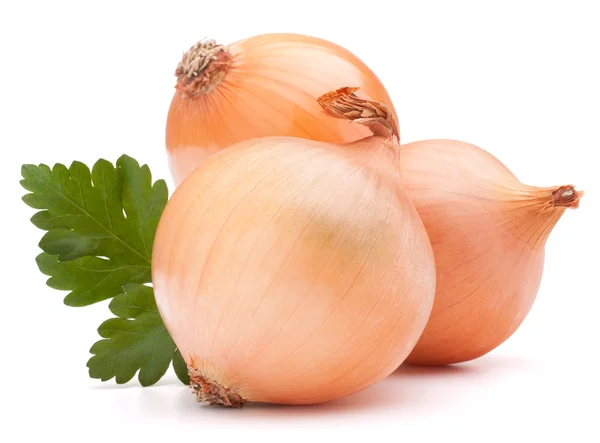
488 232
292 271
265 85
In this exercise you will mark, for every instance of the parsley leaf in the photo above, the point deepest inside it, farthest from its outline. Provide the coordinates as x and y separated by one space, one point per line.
136 340
98 245
100 225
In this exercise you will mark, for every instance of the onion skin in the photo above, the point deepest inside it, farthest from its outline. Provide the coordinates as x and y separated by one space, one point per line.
293 272
265 85
488 232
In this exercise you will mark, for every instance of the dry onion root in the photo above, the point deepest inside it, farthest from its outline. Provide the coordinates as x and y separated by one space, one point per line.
293 271
488 232
265 85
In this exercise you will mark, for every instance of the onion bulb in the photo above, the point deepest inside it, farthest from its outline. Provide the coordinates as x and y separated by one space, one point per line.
262 86
292 271
488 231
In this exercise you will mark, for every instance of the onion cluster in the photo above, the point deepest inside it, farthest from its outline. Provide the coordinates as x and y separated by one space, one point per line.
306 254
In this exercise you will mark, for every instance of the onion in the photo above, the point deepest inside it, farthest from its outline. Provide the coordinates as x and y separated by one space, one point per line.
265 85
488 232
292 271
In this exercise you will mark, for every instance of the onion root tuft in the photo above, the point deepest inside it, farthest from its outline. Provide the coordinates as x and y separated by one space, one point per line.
202 68
211 392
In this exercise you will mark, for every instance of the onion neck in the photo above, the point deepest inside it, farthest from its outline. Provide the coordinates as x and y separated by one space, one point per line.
534 215
345 104
566 196
202 68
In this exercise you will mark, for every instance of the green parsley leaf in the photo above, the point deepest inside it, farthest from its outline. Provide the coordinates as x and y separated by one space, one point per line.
100 225
98 245
136 340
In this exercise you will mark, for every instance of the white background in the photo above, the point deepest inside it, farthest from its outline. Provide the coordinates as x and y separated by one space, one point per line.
84 80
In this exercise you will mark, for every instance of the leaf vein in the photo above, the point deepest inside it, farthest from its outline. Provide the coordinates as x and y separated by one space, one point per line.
91 217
